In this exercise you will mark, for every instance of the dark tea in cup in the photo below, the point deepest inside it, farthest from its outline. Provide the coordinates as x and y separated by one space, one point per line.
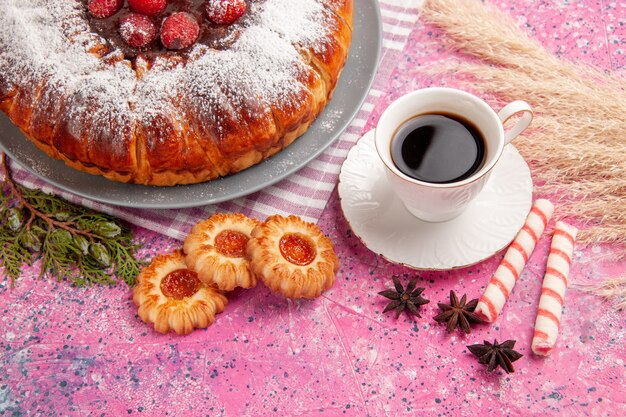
440 145
438 148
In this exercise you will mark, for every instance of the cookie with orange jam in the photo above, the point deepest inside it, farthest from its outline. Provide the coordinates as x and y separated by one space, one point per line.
215 249
173 298
292 257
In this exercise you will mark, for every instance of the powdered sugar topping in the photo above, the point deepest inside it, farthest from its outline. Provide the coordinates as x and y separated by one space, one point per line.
220 6
49 48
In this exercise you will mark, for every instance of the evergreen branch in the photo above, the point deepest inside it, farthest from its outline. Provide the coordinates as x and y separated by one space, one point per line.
12 258
73 243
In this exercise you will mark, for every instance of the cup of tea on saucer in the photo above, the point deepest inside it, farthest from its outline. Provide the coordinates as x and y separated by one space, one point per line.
439 146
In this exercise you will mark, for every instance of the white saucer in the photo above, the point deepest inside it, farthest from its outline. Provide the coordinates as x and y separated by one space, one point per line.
386 227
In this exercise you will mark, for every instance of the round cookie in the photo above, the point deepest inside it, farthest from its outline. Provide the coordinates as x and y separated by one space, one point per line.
173 298
292 257
215 249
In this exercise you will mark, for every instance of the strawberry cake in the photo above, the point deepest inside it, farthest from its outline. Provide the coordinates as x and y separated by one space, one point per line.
166 92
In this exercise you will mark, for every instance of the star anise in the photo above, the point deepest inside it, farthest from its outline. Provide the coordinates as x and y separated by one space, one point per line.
409 298
496 354
458 313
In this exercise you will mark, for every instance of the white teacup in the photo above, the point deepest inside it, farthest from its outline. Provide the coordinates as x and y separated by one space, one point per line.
435 202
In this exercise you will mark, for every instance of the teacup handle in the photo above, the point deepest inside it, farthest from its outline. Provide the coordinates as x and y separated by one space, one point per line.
509 111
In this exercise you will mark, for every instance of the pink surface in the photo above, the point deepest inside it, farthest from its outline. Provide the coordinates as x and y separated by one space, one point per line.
77 351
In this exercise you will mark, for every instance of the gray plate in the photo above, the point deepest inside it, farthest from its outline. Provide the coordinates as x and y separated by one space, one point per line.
355 81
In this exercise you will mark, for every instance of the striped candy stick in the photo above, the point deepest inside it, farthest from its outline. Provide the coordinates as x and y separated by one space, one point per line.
505 277
555 282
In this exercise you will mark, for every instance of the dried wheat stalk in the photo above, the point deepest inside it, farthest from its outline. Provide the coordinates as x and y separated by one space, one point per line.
577 146
611 290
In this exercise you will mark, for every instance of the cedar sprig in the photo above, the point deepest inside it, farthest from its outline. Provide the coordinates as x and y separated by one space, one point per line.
73 243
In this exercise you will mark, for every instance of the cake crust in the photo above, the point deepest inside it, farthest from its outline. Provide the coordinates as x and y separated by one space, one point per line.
170 118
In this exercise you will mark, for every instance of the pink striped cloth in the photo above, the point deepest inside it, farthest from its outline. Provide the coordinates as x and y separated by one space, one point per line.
304 193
